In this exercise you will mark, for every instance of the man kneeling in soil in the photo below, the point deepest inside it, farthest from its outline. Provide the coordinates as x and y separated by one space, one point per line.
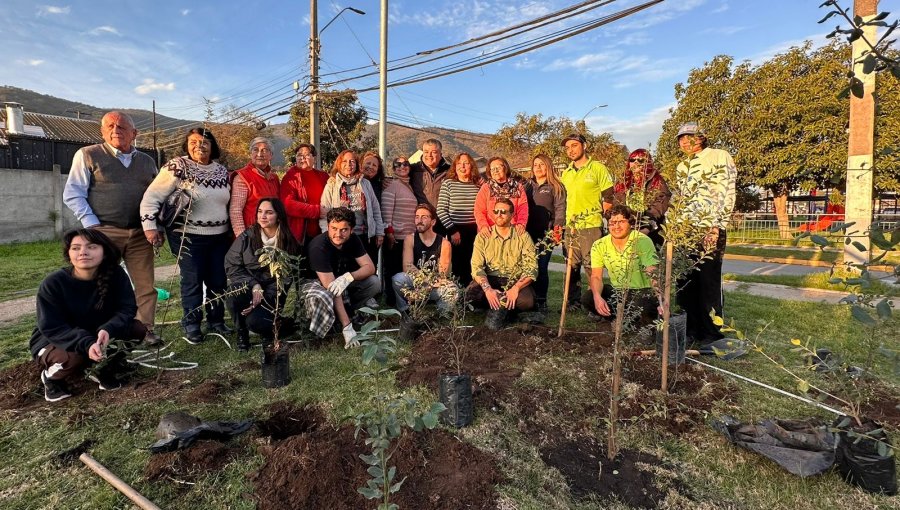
630 258
502 257
343 267
426 251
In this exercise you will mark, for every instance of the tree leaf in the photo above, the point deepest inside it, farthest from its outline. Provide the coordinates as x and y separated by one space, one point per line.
803 386
857 88
369 493
796 341
821 241
869 63
859 246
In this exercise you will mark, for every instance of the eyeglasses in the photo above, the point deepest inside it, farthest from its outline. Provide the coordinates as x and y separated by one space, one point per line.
613 223
402 163
502 211
636 160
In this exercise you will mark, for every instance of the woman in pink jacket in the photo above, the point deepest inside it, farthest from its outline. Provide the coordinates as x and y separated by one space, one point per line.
500 184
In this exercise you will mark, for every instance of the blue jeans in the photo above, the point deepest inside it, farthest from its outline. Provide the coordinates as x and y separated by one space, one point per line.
543 278
202 262
445 296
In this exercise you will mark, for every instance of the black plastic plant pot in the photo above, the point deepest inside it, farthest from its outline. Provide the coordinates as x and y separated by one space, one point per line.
859 461
410 330
276 369
677 339
455 393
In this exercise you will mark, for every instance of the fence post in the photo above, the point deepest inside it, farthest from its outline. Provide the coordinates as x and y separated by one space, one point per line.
56 193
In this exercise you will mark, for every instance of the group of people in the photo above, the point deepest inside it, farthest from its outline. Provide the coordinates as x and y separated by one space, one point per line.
491 233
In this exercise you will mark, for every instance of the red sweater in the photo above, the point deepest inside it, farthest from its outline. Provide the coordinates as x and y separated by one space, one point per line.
257 187
301 192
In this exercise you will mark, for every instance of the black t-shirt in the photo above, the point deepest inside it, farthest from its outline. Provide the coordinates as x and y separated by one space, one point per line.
325 257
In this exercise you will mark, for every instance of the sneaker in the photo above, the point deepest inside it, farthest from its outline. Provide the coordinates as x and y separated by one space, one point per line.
54 390
220 328
151 339
105 382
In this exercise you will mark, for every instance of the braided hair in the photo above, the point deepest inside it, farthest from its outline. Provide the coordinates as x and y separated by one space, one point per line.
111 258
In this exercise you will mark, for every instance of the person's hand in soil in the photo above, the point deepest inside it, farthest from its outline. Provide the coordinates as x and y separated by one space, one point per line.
601 306
493 298
511 296
97 350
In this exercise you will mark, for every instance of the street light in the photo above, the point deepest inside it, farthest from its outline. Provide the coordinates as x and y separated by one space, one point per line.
314 48
592 109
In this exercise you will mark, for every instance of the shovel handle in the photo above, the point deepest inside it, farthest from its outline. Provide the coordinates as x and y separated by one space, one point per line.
117 482
689 352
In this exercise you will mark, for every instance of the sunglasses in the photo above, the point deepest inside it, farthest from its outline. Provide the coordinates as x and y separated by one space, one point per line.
398 165
502 211
636 160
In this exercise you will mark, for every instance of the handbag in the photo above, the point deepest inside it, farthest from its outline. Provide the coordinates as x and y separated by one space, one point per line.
173 210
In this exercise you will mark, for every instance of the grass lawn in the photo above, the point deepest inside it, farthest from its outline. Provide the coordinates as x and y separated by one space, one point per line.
810 281
26 264
715 474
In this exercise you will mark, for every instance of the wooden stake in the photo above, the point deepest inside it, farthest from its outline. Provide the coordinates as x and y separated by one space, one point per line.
666 304
117 482
612 447
565 300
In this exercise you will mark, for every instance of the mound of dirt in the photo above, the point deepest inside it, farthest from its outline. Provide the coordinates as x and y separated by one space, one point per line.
588 473
286 420
20 386
322 469
211 391
191 463
494 359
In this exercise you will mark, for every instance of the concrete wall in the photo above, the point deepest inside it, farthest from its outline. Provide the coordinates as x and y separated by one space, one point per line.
31 206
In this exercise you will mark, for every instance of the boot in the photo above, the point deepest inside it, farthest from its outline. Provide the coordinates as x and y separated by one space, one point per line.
243 343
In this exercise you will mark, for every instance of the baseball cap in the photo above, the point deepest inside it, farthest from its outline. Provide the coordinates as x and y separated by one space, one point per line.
574 136
690 128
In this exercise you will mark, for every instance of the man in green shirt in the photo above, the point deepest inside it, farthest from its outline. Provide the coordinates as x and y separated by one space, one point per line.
589 192
630 259
504 257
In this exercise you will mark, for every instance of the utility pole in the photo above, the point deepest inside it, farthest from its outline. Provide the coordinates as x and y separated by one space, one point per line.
314 135
382 84
861 146
154 129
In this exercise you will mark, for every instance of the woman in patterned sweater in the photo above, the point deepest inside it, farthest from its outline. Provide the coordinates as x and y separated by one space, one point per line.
199 240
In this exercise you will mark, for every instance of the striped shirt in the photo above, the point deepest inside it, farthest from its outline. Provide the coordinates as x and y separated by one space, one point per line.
398 208
456 203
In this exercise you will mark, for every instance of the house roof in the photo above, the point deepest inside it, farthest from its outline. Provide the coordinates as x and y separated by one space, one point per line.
55 127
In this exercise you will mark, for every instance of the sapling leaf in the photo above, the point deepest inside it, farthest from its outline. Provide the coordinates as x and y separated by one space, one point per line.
368 310
869 63
716 319
392 471
369 353
821 241
835 281
883 449
376 472
884 309
390 312
803 386
370 459
862 316
856 85
859 246
796 341
396 486
368 327
437 407
844 422
369 493
430 420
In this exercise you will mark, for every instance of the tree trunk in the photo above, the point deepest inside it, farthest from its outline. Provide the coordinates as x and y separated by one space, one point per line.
780 201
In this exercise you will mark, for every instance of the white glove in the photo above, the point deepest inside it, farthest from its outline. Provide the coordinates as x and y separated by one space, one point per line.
340 284
350 336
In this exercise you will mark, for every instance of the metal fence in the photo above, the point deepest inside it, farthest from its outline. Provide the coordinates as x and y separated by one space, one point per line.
37 153
764 228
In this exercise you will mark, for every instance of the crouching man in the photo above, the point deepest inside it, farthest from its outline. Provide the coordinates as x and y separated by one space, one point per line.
630 258
504 265
342 266
426 251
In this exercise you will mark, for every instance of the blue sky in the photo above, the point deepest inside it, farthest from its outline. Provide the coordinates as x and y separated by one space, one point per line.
127 53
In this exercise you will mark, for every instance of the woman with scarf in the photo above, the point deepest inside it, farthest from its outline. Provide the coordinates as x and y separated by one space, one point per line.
500 184
348 188
398 207
546 212
644 189
456 212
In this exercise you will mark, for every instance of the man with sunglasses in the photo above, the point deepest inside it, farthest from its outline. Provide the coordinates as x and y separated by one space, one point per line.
504 265
710 176
589 192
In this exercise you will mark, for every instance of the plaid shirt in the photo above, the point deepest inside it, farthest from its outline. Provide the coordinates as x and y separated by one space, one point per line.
318 307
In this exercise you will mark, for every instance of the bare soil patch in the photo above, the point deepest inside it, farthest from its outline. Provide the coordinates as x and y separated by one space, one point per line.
628 478
322 469
211 391
19 386
286 419
191 463
494 359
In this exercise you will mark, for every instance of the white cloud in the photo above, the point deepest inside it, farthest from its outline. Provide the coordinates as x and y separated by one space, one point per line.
43 10
34 62
723 30
721 8
185 12
150 85
640 131
105 29
656 15
818 40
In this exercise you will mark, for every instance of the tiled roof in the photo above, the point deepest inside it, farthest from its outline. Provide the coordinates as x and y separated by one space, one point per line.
59 128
